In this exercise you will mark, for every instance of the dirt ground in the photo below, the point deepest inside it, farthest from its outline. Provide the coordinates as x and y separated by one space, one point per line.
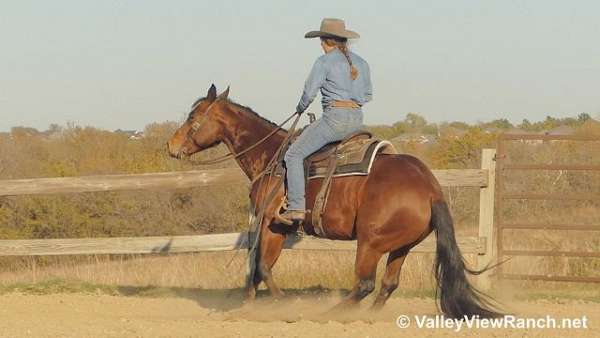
222 315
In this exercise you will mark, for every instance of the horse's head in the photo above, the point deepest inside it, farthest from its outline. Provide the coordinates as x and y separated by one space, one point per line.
203 128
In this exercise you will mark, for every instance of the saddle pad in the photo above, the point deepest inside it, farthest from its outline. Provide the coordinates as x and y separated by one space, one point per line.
351 169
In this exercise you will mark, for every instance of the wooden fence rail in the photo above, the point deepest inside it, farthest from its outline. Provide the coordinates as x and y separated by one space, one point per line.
153 181
184 179
482 245
194 243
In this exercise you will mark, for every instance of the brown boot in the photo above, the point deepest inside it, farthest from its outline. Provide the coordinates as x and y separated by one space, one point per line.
289 217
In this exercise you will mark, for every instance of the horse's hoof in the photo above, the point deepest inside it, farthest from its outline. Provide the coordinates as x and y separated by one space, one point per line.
376 307
250 296
278 295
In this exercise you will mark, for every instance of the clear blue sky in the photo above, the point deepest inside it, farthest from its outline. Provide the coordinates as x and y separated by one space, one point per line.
123 64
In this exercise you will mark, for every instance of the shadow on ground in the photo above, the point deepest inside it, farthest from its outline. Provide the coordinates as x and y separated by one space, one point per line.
227 299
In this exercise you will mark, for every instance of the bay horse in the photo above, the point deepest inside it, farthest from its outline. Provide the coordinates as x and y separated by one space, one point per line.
389 211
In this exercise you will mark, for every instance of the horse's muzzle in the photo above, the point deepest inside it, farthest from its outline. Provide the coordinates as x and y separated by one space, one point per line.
176 153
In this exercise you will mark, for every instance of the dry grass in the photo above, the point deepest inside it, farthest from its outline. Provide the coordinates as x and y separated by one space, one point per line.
219 270
296 271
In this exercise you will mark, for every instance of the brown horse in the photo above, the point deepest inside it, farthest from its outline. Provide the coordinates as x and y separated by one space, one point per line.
389 211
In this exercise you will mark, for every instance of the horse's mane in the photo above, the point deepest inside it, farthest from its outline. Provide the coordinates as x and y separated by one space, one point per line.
242 107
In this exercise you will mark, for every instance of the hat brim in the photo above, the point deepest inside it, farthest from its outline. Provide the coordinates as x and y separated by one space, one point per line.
348 34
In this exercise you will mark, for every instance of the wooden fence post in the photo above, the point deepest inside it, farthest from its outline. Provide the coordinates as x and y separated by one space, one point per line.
486 217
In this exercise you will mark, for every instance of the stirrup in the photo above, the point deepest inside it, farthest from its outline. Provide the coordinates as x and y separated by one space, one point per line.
282 220
295 221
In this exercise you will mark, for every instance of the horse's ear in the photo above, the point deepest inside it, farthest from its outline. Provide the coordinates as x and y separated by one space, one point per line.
224 94
212 93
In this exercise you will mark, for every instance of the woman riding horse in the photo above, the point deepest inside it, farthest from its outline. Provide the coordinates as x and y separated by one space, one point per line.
387 212
344 80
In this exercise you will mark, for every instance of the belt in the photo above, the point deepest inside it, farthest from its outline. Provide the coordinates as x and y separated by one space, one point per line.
345 104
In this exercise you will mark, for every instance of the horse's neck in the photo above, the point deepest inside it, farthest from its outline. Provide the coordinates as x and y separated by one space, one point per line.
245 130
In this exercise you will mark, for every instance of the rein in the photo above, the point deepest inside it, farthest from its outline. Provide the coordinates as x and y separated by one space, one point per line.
231 155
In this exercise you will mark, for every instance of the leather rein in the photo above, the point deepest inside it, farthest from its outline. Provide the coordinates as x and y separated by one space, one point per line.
197 124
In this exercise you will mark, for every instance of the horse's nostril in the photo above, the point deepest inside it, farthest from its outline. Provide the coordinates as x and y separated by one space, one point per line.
171 152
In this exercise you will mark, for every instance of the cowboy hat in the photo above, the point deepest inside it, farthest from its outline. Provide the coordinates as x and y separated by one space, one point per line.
332 27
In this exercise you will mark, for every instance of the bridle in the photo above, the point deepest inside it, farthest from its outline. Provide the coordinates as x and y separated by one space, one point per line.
196 125
199 122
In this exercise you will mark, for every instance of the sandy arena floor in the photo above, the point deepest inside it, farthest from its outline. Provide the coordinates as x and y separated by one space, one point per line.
86 315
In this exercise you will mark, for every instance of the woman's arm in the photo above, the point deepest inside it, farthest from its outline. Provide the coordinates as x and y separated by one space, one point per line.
315 80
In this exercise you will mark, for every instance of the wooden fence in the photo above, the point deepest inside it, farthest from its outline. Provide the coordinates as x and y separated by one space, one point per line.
503 194
481 245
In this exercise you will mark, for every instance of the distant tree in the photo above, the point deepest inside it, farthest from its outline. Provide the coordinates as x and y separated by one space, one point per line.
382 131
415 121
499 123
431 129
526 125
583 117
590 127
462 151
23 131
160 130
54 129
459 125
400 127
550 123
569 121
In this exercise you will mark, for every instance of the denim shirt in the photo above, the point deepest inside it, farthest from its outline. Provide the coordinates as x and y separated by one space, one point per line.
331 74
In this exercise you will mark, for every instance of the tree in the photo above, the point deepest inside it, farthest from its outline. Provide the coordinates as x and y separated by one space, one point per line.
550 123
431 129
583 117
415 121
23 131
459 125
526 125
499 123
400 127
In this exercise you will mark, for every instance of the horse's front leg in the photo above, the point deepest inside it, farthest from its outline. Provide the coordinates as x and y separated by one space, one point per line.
269 249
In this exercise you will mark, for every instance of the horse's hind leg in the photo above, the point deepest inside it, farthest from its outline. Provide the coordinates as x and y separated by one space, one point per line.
365 270
390 279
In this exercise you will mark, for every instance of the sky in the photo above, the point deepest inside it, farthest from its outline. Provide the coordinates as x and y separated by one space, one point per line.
124 64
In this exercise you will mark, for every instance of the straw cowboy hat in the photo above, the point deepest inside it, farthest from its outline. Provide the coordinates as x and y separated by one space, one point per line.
333 27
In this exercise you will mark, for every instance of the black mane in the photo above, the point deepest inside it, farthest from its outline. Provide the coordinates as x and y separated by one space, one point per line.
237 105
248 109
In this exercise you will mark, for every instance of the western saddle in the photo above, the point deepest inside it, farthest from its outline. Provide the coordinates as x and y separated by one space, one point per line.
352 156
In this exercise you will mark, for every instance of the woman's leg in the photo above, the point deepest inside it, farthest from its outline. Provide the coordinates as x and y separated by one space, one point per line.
315 136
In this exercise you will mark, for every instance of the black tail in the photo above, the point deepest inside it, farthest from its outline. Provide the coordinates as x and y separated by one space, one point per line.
457 297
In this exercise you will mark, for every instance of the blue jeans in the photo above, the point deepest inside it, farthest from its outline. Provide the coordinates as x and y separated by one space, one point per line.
335 125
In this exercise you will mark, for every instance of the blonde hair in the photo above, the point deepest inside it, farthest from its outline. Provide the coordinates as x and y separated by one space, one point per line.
342 45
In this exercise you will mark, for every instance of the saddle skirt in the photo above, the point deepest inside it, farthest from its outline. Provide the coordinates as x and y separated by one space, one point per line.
352 156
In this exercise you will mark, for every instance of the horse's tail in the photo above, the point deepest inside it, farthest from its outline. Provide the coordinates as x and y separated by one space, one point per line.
458 298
